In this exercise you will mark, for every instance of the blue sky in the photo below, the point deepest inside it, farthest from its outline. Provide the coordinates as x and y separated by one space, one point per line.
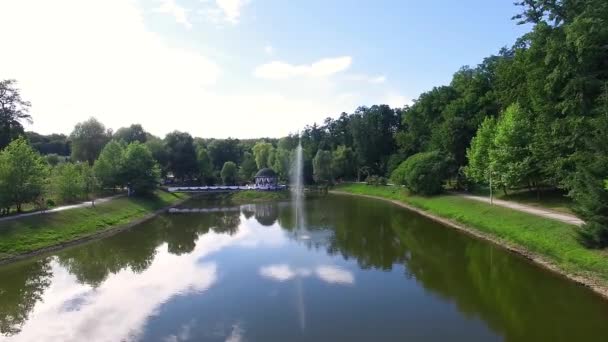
240 68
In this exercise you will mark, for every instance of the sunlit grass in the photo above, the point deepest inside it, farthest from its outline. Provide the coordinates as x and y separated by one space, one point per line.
32 233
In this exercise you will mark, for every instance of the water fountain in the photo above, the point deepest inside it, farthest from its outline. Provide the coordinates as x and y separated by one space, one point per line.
297 187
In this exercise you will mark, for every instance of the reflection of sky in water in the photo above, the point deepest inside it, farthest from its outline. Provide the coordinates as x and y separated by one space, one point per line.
119 307
327 273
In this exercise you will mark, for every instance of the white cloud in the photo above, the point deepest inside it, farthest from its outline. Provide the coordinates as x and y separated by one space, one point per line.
231 9
396 101
279 70
365 78
178 12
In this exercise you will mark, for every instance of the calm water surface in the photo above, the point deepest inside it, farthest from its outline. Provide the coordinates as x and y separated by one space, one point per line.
360 270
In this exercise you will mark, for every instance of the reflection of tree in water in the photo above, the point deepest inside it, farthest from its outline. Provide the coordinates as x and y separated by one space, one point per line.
21 287
515 298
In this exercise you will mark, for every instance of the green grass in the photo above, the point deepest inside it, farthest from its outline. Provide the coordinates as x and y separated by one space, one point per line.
252 196
28 234
556 241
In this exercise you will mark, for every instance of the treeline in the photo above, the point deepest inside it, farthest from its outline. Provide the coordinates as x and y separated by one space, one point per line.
533 116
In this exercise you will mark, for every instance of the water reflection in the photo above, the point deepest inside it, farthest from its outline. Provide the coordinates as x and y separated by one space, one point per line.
199 276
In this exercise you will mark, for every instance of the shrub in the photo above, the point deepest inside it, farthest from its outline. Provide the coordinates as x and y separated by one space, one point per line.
422 173
375 180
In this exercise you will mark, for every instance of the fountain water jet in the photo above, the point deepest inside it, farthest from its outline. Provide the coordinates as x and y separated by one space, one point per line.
297 187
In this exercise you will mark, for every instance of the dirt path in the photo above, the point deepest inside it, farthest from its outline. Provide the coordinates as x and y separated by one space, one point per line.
566 218
62 208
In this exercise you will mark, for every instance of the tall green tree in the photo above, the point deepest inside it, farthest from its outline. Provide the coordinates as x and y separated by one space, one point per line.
108 168
22 174
229 173
224 150
478 154
322 167
248 167
68 183
140 170
88 139
131 134
182 155
262 152
13 111
343 163
205 167
282 163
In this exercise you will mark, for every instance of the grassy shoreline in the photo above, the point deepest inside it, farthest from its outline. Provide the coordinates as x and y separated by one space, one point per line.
30 235
547 242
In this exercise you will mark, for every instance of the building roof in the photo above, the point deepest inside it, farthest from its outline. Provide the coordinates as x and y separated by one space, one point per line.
266 172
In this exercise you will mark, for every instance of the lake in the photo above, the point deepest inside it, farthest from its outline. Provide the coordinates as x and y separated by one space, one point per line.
357 270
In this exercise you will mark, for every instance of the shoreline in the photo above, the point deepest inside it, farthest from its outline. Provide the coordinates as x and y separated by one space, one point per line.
599 287
92 237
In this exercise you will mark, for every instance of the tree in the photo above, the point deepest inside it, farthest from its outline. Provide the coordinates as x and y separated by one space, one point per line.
423 173
67 183
159 152
511 158
229 173
13 110
22 174
182 155
225 150
282 163
322 170
140 170
205 168
108 169
262 152
478 154
248 167
131 134
88 139
343 163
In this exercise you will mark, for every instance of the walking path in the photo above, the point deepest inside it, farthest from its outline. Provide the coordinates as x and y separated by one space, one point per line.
566 218
62 208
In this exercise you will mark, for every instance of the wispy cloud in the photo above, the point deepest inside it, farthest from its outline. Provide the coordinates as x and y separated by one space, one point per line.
366 78
269 49
178 12
278 70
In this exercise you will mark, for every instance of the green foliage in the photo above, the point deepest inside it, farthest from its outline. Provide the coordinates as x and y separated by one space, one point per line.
222 151
282 163
229 173
52 159
68 183
205 168
248 167
375 180
139 170
88 139
181 155
49 144
343 162
322 167
131 134
159 152
22 174
478 154
13 110
422 173
262 152
109 166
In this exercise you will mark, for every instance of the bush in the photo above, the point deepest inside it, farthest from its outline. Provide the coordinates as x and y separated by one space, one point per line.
422 173
375 180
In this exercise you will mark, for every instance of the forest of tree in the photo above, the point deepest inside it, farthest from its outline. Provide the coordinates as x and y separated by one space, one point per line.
533 116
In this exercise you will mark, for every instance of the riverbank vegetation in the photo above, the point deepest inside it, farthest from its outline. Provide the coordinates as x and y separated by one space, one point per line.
555 241
533 116
33 233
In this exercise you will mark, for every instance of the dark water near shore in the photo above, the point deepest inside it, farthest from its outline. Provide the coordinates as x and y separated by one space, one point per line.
361 270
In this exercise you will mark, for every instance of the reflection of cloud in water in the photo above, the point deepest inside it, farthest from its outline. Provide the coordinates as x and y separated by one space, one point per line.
182 335
327 273
236 335
335 275
119 307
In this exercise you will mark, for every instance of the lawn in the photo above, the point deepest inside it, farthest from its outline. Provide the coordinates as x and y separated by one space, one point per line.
553 199
252 196
28 234
556 241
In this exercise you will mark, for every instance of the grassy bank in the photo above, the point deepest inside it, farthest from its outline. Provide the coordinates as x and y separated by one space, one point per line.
253 196
553 199
28 234
554 241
